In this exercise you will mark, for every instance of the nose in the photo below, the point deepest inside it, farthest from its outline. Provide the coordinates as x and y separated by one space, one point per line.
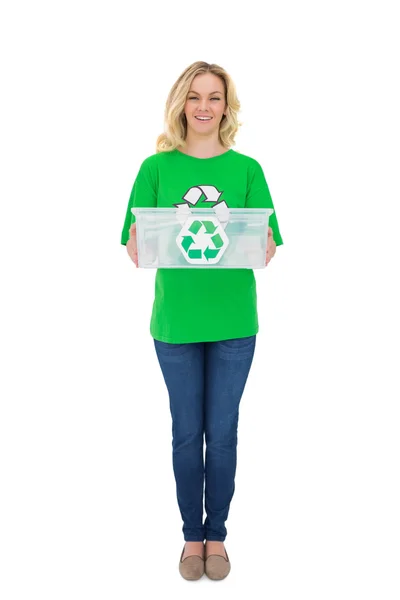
203 104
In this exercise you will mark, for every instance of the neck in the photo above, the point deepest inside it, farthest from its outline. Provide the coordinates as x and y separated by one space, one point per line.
202 147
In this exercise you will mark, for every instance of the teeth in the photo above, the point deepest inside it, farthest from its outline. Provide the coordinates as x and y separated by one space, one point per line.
203 118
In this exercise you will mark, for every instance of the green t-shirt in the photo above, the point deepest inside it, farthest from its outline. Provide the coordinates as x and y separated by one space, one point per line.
202 304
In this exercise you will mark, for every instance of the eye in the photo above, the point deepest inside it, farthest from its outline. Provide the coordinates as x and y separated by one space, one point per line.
196 98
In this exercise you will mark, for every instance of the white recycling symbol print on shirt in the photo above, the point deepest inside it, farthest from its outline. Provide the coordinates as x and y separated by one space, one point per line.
209 194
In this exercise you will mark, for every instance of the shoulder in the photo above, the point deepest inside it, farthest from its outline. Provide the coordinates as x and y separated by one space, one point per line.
154 161
150 162
251 163
159 157
254 171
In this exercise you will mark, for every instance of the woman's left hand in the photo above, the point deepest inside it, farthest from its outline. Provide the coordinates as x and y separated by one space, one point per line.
271 246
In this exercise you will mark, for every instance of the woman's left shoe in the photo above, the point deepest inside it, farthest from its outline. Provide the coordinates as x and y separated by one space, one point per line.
217 567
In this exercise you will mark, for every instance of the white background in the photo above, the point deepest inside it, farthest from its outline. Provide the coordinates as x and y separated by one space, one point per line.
87 504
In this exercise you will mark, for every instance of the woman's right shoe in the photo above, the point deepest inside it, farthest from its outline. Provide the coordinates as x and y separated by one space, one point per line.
191 567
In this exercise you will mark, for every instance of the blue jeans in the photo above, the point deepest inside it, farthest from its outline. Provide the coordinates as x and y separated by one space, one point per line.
205 382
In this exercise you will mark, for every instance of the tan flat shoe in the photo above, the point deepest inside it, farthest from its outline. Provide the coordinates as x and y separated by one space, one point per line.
217 566
191 567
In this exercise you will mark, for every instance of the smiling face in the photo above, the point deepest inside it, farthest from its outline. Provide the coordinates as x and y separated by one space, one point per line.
205 104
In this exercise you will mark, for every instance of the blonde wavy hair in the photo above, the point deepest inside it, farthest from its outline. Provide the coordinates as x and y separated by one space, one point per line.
175 128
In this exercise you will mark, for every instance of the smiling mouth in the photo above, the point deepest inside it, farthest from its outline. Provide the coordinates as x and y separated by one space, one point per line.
203 118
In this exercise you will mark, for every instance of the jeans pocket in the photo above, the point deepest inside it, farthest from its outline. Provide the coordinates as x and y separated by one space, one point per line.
238 342
238 345
168 349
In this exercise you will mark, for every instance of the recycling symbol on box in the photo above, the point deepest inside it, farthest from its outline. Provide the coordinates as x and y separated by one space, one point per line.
202 241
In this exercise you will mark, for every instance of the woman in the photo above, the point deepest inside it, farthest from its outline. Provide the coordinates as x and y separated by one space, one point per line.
204 321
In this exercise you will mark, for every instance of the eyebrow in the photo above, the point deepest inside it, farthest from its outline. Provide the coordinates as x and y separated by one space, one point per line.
193 92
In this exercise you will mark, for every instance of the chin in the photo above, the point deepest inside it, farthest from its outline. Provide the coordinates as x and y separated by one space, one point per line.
199 128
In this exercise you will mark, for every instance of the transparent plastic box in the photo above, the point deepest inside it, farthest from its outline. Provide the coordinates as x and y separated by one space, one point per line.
217 237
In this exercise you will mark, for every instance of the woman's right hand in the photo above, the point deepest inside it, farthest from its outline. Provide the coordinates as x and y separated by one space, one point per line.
131 244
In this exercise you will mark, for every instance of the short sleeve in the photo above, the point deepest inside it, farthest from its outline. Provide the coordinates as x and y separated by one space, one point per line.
143 194
258 196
